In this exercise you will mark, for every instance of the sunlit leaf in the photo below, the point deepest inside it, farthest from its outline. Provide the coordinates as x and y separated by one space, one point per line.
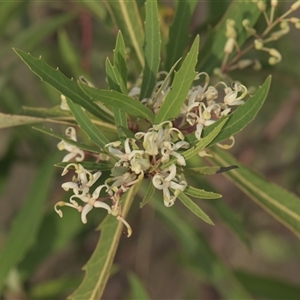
84 122
121 101
151 49
199 193
128 20
180 86
64 85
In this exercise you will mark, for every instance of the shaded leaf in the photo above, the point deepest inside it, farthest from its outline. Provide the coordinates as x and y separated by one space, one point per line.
281 204
26 223
137 290
179 28
149 194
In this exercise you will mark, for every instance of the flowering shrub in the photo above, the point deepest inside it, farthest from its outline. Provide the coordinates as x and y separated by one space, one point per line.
163 123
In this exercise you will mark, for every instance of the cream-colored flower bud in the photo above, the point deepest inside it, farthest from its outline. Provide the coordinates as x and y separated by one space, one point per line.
258 44
296 5
261 6
229 46
274 3
275 56
244 63
230 30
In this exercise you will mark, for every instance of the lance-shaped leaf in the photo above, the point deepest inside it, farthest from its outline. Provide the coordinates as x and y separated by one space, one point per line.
151 49
121 101
64 85
281 204
7 120
67 140
25 225
127 17
194 208
98 268
239 119
137 290
202 194
205 141
180 86
117 80
149 193
207 170
84 122
179 28
213 50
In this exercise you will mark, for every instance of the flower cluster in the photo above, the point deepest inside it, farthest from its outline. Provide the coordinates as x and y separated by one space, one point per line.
156 154
260 39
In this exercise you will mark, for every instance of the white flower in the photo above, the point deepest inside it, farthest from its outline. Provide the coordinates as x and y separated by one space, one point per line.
231 97
75 152
167 182
82 182
170 149
91 201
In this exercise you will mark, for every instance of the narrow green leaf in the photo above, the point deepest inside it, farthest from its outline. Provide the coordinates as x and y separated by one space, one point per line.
213 50
120 62
64 138
207 170
117 80
199 193
98 268
205 141
64 85
149 193
151 49
7 120
137 290
281 204
84 122
127 17
26 223
179 28
194 208
241 117
121 101
180 86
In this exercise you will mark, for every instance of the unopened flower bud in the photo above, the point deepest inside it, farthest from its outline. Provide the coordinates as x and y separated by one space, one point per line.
274 3
296 5
229 46
244 63
257 65
275 56
261 5
258 44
